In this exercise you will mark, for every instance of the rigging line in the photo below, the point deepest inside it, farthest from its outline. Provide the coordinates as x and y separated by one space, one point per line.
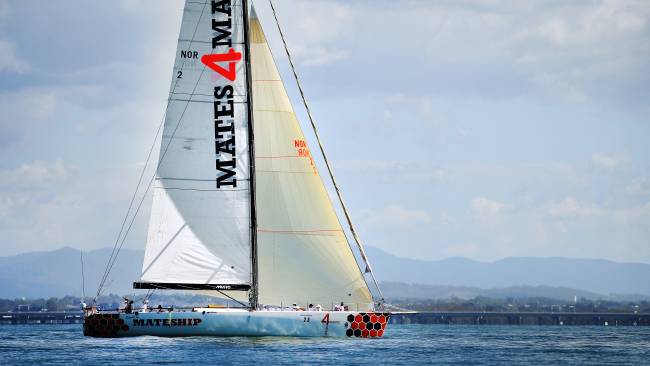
144 195
148 295
113 257
114 254
83 277
119 235
162 156
327 164
231 298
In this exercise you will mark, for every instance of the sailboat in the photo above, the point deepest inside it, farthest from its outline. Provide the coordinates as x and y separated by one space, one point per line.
239 208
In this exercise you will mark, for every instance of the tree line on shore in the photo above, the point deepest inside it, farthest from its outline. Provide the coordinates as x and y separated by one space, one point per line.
530 304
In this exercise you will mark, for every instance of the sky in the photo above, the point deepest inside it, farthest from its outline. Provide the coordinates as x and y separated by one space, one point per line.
482 129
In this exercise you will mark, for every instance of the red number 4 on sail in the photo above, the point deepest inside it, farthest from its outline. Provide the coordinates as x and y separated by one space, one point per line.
231 57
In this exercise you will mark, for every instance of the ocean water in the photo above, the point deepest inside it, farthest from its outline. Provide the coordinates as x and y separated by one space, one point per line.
402 345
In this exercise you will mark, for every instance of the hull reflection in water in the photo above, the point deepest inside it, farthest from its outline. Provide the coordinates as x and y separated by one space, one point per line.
237 322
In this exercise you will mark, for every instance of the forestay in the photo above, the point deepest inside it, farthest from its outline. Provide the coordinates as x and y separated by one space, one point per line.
303 253
200 226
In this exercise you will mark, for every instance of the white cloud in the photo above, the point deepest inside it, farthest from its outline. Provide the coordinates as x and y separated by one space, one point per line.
9 61
575 51
396 216
22 117
367 166
559 85
444 218
485 208
421 104
318 55
606 20
98 113
391 170
49 204
33 174
570 207
72 111
313 40
634 215
312 25
609 162
24 188
584 50
640 186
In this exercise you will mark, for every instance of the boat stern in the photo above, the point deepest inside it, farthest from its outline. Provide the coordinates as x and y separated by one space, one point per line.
104 325
366 325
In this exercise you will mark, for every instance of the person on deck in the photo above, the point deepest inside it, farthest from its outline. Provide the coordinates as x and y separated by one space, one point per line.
129 307
125 303
145 305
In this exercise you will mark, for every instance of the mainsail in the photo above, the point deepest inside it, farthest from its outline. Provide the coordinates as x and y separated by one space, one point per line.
303 253
200 228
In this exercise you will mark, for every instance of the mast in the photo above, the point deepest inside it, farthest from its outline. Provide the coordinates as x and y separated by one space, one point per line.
253 297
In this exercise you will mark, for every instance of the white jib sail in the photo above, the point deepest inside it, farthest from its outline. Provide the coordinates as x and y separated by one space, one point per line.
199 231
303 253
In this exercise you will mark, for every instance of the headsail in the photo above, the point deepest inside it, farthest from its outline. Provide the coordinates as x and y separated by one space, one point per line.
200 228
303 253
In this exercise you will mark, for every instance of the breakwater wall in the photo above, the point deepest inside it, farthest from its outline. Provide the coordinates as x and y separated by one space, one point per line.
42 317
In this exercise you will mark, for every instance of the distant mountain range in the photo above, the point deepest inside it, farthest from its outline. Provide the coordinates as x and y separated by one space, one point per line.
400 290
592 275
58 273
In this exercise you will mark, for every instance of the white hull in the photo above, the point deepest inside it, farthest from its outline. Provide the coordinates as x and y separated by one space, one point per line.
235 322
